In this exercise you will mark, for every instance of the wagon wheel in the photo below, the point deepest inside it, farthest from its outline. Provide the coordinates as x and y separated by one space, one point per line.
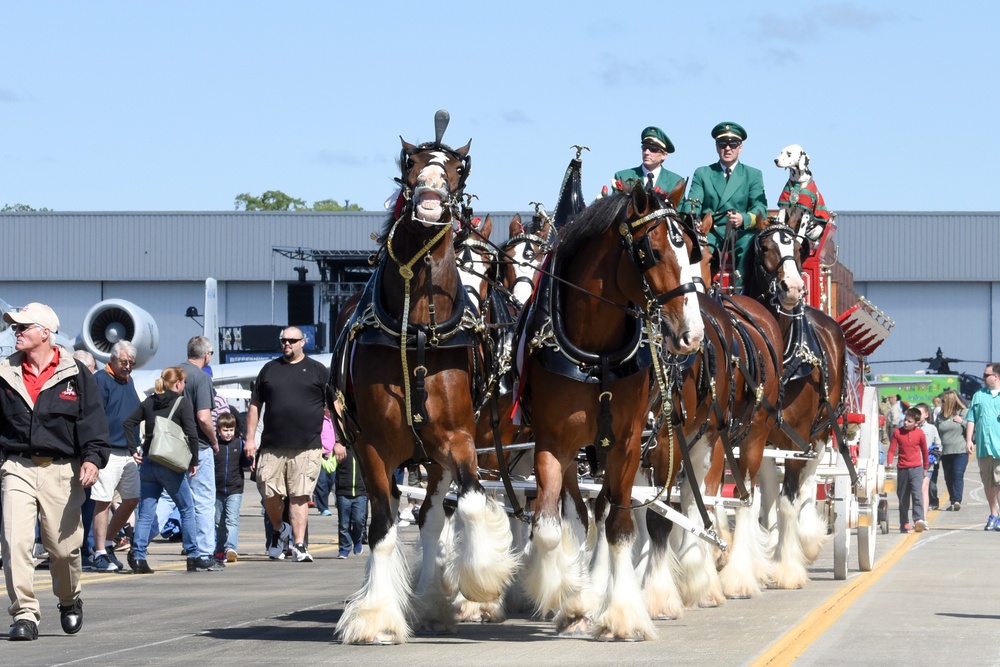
868 452
842 493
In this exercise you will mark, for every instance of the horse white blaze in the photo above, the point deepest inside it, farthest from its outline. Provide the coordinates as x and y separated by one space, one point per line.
692 329
794 285
431 191
524 272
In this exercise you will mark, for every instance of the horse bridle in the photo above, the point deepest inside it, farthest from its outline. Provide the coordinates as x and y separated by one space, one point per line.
644 257
763 274
453 202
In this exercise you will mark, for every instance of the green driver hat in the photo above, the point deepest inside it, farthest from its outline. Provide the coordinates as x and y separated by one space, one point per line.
729 129
654 136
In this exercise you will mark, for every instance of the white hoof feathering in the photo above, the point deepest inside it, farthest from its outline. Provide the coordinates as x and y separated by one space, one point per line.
789 568
432 609
555 571
663 599
747 568
377 613
623 615
484 563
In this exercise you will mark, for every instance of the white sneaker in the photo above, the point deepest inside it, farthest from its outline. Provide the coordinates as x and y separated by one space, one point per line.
406 514
402 524
920 526
300 554
276 550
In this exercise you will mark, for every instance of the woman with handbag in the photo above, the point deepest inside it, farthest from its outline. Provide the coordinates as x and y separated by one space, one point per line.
166 414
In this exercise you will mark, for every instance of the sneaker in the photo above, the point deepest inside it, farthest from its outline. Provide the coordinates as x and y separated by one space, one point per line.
220 557
341 556
231 555
300 554
279 540
130 559
402 524
956 506
905 528
111 557
357 548
204 564
326 513
920 526
103 564
88 565
991 523
934 507
406 514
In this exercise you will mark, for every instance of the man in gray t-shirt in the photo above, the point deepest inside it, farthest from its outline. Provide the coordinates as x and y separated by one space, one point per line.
198 390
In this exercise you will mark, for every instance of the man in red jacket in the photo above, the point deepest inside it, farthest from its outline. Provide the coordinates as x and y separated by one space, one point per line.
54 439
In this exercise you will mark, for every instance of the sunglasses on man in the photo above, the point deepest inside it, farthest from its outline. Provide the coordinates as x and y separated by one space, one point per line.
289 341
728 143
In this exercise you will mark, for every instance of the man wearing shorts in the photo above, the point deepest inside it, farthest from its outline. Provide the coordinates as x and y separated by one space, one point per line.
122 472
291 392
982 438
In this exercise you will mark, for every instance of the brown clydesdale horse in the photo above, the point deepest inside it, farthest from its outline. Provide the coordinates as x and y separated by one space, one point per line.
410 396
813 379
623 266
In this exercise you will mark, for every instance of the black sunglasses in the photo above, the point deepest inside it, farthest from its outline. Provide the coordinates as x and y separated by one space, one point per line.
289 341
731 143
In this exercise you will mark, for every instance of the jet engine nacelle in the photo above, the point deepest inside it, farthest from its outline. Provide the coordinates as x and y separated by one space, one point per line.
113 320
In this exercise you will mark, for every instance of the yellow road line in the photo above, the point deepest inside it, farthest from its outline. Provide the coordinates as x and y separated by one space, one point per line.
795 642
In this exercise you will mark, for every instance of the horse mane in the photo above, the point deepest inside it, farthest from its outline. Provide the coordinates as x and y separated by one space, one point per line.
592 222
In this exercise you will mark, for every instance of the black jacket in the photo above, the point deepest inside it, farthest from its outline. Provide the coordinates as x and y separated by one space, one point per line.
159 405
229 464
66 421
350 481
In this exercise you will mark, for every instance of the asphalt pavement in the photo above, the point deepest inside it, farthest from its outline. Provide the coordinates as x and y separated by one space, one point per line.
932 598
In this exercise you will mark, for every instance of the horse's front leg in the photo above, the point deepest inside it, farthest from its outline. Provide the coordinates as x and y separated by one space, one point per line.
623 615
433 611
377 613
484 563
555 570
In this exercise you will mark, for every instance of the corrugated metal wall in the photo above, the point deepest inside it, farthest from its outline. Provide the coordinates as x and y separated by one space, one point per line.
919 246
229 246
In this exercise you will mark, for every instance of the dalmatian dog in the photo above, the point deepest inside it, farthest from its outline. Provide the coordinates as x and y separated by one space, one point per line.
801 192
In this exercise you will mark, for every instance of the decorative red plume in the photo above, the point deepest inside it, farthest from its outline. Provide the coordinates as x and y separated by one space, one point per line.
604 191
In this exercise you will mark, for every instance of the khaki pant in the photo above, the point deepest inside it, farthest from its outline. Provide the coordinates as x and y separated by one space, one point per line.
52 493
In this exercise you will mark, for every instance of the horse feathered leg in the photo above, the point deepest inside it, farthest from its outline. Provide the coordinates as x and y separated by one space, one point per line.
812 527
433 612
699 580
377 613
483 563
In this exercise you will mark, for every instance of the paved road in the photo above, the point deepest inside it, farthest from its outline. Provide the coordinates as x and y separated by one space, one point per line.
929 600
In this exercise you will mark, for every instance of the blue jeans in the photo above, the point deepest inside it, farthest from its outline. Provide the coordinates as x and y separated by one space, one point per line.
324 484
203 492
954 474
352 515
227 522
153 480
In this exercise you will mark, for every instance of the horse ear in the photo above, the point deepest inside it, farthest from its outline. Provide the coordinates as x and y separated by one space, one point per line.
515 226
464 150
486 228
706 224
639 199
677 193
407 146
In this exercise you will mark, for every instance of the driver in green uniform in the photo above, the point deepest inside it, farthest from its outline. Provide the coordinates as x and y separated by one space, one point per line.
656 145
732 193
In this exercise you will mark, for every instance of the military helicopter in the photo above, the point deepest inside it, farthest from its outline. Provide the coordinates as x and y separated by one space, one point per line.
938 365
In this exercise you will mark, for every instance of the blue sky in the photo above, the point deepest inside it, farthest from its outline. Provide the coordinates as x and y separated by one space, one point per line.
184 105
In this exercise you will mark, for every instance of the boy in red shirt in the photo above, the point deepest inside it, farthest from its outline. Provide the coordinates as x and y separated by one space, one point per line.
913 462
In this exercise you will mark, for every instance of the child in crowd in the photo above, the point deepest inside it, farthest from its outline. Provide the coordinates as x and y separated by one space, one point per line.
911 443
933 456
229 464
327 476
352 501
